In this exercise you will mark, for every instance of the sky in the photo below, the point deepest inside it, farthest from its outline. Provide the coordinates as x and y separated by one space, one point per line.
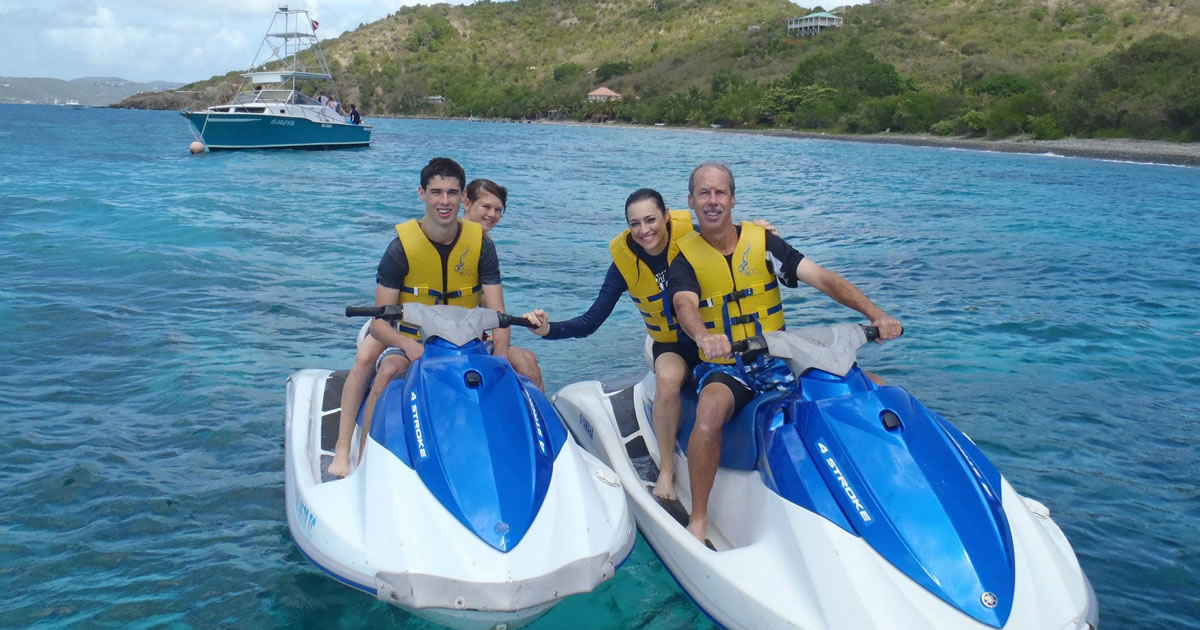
158 40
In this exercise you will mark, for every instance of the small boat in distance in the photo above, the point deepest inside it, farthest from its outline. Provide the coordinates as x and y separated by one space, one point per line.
270 111
74 105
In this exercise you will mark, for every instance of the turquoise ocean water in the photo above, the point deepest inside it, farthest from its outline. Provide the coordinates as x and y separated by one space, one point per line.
153 303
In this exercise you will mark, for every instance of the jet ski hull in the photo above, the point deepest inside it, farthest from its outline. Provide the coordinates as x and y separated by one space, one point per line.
380 530
779 565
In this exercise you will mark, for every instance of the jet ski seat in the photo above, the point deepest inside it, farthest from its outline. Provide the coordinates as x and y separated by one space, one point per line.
739 437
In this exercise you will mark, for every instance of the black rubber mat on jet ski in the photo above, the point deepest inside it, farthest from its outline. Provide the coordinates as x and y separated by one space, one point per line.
648 473
622 404
646 469
637 448
332 400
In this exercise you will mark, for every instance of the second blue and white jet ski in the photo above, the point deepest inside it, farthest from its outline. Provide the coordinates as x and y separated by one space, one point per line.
471 506
840 505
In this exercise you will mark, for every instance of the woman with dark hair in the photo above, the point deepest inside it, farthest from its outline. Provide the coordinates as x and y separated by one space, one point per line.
641 257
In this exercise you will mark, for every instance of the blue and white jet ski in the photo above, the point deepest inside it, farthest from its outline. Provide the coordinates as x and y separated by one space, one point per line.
472 507
840 504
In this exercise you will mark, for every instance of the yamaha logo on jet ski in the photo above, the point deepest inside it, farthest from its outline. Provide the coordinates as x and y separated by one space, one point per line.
989 599
417 426
837 472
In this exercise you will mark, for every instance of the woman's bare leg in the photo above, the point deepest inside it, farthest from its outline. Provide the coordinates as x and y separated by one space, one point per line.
670 373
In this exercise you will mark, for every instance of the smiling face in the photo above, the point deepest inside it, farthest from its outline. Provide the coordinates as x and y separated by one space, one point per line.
486 210
712 198
647 225
442 198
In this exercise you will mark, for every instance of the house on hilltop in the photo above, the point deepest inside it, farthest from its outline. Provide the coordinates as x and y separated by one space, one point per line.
602 94
812 24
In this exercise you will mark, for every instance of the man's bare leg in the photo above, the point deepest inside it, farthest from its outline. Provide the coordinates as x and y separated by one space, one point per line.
670 373
713 410
392 367
875 378
353 392
526 364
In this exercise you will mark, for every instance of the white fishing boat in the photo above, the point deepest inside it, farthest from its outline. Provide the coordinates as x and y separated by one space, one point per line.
270 111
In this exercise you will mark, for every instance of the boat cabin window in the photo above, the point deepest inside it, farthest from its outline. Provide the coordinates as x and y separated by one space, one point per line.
259 96
299 98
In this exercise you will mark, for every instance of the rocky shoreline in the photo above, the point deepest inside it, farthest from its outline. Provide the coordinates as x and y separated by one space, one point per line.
1147 151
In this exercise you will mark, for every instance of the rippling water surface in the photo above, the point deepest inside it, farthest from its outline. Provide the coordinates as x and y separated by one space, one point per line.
153 303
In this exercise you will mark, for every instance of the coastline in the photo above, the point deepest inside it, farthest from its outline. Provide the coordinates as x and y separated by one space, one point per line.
1116 149
1119 149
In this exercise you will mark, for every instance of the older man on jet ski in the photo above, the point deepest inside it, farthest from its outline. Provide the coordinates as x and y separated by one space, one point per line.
725 287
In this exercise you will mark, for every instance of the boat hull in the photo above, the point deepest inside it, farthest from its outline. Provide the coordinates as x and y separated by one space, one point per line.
222 131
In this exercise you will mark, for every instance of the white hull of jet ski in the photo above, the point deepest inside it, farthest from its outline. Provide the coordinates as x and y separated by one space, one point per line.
381 531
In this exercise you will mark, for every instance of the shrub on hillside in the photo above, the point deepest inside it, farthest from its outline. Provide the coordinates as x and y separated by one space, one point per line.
1003 85
431 34
1149 89
975 121
567 71
607 71
1045 127
915 112
849 67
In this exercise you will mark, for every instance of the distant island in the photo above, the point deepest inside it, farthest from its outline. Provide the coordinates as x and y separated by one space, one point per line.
943 68
89 91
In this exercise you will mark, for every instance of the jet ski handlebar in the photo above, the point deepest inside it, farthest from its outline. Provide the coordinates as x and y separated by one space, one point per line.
756 345
395 312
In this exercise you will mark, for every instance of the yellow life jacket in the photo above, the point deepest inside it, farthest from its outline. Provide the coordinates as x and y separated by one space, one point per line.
429 281
643 286
741 301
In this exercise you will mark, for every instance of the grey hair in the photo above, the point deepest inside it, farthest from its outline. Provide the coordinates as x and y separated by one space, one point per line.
720 166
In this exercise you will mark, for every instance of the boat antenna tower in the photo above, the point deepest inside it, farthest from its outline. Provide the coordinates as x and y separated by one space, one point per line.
291 32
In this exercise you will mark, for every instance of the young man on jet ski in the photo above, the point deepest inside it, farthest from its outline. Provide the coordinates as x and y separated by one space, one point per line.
437 260
726 280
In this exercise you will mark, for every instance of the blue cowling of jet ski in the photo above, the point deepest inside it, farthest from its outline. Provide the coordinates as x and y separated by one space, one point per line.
490 469
879 465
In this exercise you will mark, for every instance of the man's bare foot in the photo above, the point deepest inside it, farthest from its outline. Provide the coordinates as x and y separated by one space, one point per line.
698 526
340 466
875 378
665 487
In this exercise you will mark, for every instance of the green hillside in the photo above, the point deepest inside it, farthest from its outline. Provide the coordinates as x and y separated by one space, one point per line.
979 67
94 91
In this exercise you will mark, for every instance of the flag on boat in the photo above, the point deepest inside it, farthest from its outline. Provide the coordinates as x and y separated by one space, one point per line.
315 25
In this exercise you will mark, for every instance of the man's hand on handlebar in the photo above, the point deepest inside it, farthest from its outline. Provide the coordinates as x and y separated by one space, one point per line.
715 346
889 327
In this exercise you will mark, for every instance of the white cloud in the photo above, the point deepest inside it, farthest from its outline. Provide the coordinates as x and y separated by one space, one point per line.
145 40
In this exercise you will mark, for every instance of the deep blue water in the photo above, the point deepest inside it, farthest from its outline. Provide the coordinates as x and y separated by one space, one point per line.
153 303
